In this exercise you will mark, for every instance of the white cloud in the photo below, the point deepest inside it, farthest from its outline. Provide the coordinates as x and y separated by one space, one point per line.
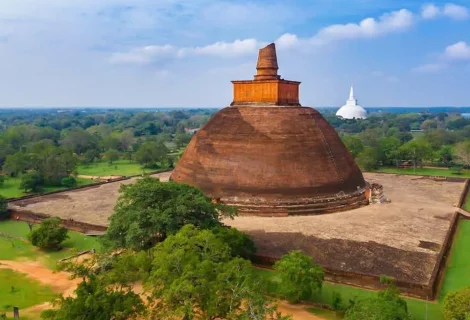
143 55
456 12
370 27
225 49
430 11
450 10
287 41
458 51
367 28
428 68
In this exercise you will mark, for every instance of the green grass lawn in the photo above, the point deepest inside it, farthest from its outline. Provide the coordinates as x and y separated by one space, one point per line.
426 172
120 168
12 249
457 276
16 289
467 203
11 187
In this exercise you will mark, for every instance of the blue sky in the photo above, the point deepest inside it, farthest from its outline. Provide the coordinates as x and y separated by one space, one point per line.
170 53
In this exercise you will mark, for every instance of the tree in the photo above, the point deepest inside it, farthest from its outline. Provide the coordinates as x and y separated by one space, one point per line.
367 159
3 208
69 182
240 243
182 139
89 156
462 152
445 155
417 150
300 276
79 141
428 125
17 163
388 149
457 305
195 277
386 305
149 210
54 164
31 181
2 180
111 155
94 300
151 152
49 235
354 145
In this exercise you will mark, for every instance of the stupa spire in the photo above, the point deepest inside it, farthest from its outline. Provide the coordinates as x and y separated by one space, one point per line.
351 93
267 64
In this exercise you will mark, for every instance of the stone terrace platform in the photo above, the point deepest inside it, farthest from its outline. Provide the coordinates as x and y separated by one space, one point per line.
91 205
402 239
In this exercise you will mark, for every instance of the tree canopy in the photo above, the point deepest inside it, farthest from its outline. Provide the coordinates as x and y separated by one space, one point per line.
49 234
299 276
195 277
457 305
149 210
94 300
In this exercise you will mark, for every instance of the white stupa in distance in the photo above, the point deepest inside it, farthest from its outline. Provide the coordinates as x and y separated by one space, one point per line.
351 109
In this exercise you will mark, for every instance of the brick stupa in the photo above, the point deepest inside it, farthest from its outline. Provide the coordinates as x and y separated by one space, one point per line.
268 155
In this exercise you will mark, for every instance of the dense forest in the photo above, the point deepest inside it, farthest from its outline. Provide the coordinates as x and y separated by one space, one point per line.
386 139
50 148
43 148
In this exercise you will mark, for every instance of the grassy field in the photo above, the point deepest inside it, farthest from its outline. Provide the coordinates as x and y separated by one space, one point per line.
11 187
12 249
120 168
456 277
16 289
445 172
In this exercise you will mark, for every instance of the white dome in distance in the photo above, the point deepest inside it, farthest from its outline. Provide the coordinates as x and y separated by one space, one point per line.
351 109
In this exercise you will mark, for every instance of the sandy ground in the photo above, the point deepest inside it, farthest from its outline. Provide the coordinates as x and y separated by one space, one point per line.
419 211
91 205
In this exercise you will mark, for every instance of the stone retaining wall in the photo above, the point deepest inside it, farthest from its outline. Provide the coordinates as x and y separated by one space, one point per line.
12 200
69 224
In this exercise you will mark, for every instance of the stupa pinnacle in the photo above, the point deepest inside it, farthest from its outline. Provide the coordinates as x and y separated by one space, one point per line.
267 155
267 64
267 88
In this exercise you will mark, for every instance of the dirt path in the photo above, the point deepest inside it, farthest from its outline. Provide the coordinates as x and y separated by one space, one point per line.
298 312
59 281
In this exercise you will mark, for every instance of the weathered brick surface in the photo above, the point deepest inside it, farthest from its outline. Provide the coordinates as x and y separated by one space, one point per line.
280 156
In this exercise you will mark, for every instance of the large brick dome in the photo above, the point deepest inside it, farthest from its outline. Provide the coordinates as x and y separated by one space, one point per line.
269 156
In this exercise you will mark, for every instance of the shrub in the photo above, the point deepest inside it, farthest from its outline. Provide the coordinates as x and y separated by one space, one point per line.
300 276
3 208
2 180
31 181
69 182
49 235
386 305
457 305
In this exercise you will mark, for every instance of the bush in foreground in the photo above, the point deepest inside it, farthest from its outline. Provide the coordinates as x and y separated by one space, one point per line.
49 235
300 276
457 305
386 305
